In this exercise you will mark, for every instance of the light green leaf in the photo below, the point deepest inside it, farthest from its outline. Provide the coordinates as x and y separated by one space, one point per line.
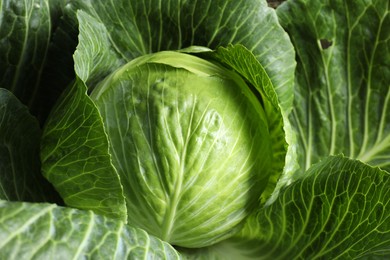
136 28
46 231
75 156
244 62
95 58
20 175
342 99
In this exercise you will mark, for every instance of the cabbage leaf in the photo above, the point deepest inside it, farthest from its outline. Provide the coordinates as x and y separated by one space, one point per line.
75 156
47 231
20 135
342 91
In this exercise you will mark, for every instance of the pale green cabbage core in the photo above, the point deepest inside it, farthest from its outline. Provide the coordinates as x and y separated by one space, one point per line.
190 142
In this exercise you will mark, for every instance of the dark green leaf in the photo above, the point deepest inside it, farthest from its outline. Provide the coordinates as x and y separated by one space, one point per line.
36 47
342 102
20 175
340 210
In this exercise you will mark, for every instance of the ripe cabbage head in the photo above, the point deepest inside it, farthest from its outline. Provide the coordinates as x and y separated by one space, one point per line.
190 142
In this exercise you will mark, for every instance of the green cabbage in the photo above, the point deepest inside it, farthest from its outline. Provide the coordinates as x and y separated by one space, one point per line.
190 143
150 129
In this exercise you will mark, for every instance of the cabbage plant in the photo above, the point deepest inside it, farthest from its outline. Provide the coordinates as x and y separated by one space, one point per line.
194 129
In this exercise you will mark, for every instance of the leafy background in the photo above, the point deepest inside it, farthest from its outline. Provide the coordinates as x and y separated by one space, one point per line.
38 39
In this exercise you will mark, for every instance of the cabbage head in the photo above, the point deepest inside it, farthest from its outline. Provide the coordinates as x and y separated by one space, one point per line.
190 142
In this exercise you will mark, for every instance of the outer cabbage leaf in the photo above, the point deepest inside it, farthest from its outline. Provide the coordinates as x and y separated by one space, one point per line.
75 156
25 36
46 231
36 47
135 28
340 209
20 175
95 57
342 102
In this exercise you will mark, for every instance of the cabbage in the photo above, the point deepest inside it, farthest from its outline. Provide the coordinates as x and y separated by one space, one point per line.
194 129
184 135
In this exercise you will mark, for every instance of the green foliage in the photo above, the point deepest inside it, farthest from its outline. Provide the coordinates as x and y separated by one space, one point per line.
20 135
342 88
227 129
338 211
27 233
75 156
